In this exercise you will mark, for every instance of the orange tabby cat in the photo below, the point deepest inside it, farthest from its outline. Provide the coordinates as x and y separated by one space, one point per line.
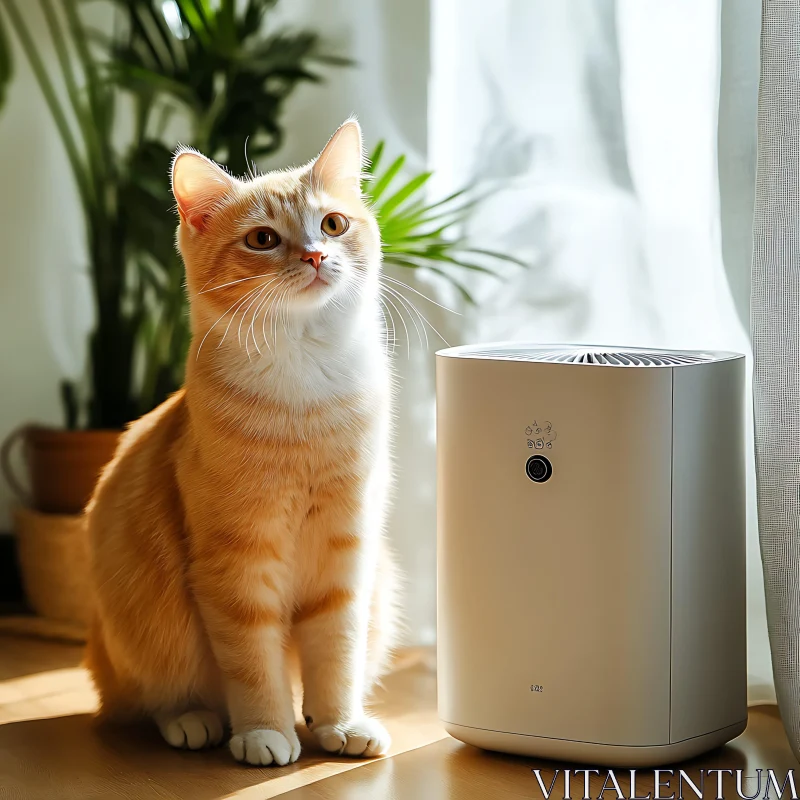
242 519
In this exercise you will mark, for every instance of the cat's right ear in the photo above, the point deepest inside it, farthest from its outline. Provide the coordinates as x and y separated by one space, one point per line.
199 185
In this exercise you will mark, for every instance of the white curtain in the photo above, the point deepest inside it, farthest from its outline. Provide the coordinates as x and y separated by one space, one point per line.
601 122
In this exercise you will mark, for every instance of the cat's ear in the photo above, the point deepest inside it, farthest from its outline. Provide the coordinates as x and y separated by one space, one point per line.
340 163
198 185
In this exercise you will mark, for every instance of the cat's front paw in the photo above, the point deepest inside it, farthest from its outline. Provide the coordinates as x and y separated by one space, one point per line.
192 730
263 747
362 738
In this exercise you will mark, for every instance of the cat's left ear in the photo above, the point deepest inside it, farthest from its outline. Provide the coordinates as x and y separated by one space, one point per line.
198 185
340 163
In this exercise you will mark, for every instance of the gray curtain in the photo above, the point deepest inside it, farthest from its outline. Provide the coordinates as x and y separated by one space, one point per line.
776 345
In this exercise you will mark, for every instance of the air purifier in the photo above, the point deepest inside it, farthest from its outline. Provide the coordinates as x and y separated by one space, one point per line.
591 551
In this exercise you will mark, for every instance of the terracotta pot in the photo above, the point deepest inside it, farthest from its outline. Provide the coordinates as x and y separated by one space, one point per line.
63 466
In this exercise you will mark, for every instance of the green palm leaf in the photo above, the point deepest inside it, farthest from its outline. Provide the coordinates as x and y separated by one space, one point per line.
417 234
375 189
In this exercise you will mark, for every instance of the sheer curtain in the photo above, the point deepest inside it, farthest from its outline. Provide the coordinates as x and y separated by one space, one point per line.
602 125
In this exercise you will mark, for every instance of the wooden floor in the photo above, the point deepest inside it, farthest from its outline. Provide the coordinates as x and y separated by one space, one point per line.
50 748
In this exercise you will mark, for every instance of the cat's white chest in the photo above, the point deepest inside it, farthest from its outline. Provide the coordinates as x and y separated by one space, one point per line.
311 370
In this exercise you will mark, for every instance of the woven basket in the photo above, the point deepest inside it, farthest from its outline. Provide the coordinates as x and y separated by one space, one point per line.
53 554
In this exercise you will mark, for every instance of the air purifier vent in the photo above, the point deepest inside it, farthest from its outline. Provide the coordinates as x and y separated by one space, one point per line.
620 358
597 356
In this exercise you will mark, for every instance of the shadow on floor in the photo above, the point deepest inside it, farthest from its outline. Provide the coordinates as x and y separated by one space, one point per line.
76 757
24 656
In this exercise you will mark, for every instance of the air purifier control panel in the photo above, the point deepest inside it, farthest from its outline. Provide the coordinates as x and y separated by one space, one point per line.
540 436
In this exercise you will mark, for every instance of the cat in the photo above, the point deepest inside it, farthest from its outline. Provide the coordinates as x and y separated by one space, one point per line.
238 528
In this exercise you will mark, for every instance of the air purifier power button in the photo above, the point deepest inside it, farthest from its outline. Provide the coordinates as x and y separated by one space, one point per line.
538 469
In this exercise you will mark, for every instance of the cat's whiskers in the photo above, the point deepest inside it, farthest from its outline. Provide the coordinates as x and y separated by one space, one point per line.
275 313
264 321
265 305
281 310
382 306
233 317
250 333
220 320
389 278
405 327
421 316
232 283
407 305
256 299
242 321
269 305
204 285
274 321
244 315
250 330
285 310
353 290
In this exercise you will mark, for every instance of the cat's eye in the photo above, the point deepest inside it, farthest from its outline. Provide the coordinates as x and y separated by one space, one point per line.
335 224
262 239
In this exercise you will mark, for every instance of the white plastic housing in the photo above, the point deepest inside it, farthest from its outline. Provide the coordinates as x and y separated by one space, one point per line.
598 616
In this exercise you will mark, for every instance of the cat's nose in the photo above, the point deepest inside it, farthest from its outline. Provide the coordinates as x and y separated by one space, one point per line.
313 257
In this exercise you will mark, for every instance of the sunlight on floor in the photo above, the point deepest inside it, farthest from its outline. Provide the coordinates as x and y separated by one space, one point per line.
47 694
